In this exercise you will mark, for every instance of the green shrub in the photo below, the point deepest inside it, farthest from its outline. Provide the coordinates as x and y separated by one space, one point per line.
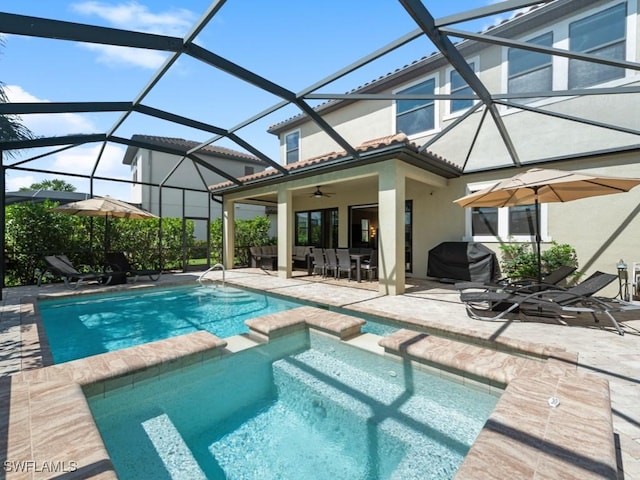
519 260
248 233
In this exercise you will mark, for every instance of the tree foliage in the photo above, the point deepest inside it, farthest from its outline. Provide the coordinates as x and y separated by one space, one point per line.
252 232
33 231
56 185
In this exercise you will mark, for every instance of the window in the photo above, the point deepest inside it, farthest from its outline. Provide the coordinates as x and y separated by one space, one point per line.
248 170
318 228
492 224
292 147
531 71
458 85
415 116
602 34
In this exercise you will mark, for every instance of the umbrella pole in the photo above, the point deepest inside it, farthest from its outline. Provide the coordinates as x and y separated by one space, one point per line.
538 237
106 237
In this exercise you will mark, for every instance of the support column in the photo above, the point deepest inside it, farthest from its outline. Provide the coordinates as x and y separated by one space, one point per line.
391 199
285 232
228 233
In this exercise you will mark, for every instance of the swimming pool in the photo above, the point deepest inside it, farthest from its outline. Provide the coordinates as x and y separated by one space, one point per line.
302 406
87 325
81 326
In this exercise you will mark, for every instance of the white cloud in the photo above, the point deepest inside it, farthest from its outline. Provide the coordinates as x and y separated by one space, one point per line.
134 16
47 125
82 159
16 183
114 56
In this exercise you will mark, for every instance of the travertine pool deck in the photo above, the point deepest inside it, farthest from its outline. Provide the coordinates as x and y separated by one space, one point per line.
578 364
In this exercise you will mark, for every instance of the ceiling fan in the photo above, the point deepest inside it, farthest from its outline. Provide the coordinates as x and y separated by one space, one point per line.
320 194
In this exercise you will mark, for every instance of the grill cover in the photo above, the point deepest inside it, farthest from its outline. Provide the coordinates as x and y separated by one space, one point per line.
463 261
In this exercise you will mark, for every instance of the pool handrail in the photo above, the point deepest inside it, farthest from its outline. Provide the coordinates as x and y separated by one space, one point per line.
217 266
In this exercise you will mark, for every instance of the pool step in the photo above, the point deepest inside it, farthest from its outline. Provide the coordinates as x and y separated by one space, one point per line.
169 445
228 295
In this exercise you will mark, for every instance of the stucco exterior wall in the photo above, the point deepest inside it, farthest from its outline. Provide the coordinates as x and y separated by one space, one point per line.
153 167
534 136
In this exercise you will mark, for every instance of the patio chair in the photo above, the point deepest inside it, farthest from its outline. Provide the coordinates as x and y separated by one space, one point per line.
61 266
371 266
550 302
345 264
118 262
550 280
318 261
330 261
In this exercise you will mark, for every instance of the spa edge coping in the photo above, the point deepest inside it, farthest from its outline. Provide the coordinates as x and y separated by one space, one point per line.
524 434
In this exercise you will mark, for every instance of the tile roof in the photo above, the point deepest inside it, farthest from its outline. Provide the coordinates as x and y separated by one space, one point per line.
184 145
397 140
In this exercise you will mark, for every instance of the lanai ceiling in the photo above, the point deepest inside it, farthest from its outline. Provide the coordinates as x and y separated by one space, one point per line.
445 36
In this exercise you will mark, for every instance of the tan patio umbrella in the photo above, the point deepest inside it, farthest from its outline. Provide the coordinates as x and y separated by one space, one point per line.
539 185
104 207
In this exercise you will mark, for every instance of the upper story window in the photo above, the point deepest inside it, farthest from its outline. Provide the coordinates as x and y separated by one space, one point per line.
292 147
458 85
248 170
415 116
602 34
531 71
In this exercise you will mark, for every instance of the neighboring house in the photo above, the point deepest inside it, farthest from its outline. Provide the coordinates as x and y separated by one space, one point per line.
410 158
184 193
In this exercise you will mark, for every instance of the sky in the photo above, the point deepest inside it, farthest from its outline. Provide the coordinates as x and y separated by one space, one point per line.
290 42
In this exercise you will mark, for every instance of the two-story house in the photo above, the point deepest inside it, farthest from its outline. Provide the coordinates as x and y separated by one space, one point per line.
555 86
170 185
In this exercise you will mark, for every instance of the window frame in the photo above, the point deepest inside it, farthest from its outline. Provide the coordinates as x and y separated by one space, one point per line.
448 113
624 41
436 105
552 65
560 65
503 222
286 146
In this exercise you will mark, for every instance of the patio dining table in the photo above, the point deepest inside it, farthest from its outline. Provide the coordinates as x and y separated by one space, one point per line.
358 257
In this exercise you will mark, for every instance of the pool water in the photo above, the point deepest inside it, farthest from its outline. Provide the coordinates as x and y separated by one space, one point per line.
88 325
304 406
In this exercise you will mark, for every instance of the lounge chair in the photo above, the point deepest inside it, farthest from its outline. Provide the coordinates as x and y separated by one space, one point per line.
61 266
118 262
550 302
550 280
